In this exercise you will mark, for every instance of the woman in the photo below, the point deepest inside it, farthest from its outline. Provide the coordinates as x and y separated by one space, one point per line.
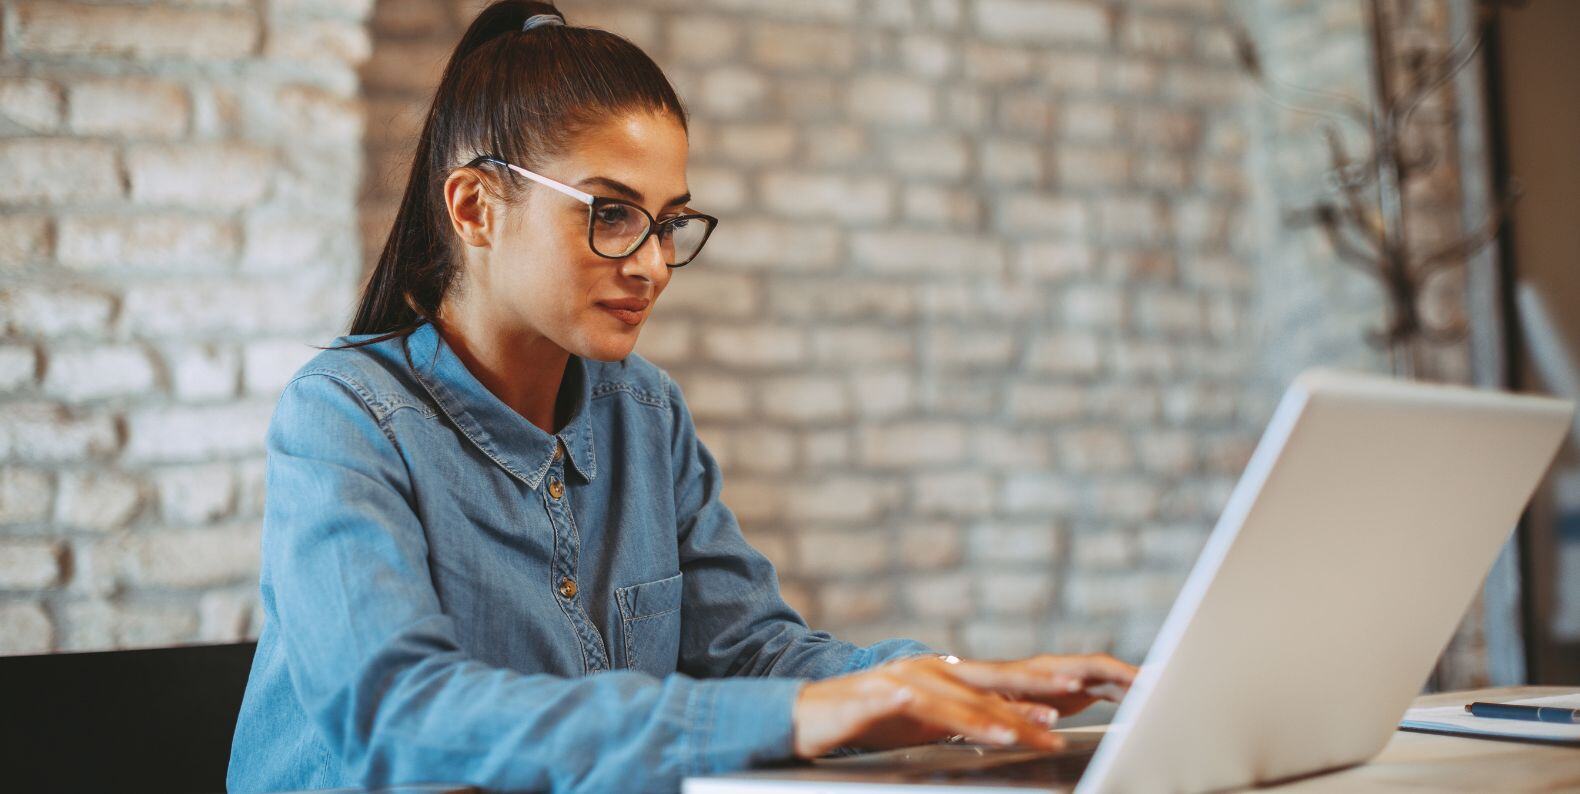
493 548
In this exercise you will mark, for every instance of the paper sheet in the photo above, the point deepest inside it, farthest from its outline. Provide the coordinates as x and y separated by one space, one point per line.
1458 720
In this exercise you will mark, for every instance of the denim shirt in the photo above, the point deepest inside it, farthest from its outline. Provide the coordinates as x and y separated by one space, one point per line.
451 594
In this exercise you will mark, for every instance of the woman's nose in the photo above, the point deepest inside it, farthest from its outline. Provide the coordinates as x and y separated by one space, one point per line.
647 261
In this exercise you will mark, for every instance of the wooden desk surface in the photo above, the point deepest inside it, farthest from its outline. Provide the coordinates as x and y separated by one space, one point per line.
1418 762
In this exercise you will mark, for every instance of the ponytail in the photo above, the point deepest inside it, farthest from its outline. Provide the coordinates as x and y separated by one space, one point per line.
513 91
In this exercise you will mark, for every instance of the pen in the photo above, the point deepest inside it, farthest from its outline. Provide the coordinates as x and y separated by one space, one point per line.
1509 711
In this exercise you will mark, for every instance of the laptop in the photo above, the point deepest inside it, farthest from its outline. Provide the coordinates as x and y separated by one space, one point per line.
1347 554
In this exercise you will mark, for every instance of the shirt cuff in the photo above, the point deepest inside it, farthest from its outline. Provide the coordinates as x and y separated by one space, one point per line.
735 723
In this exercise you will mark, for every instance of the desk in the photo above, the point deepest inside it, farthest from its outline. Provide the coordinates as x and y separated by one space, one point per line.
1417 762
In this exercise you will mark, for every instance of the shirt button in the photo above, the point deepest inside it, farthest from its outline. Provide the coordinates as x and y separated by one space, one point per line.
568 588
556 489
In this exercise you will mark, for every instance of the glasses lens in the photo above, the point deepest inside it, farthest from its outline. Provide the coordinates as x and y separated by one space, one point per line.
684 239
617 228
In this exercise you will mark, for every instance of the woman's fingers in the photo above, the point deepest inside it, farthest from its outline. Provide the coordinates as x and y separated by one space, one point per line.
974 719
1040 713
1004 722
1045 676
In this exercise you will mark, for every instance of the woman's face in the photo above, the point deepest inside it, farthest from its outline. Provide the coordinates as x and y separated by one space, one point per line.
541 278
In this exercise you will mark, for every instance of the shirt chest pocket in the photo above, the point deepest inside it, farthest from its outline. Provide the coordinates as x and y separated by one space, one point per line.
650 623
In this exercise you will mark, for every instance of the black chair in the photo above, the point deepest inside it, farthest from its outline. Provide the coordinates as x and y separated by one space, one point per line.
143 720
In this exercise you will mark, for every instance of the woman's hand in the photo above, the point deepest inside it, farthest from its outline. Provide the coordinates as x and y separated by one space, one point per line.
924 699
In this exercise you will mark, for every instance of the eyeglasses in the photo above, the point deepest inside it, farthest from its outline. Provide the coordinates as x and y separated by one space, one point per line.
616 228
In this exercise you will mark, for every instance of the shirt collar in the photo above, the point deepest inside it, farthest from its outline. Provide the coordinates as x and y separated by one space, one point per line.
522 448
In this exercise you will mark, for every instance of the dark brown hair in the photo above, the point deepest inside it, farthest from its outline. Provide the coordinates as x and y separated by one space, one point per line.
516 95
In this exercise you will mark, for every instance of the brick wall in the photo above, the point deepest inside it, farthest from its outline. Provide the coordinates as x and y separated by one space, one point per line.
176 186
980 341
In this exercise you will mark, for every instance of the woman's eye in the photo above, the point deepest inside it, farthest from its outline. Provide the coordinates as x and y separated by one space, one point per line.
613 215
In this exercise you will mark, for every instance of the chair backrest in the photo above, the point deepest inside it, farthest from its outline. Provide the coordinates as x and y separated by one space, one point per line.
144 719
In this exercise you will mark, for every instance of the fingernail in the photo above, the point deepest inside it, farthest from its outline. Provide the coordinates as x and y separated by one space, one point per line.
1073 686
1048 717
1002 736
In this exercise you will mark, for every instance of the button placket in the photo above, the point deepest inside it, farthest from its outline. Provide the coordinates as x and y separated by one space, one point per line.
567 551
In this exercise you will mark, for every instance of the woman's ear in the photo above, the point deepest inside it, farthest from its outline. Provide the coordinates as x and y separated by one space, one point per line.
471 207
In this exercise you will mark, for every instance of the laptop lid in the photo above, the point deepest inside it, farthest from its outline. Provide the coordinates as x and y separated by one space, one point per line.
1358 535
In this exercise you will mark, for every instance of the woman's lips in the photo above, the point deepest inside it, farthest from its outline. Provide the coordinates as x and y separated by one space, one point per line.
627 310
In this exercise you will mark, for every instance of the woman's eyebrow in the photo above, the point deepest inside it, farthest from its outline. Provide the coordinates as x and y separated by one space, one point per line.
627 192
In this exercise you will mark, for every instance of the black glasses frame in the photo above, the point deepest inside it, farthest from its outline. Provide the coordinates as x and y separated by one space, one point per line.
595 202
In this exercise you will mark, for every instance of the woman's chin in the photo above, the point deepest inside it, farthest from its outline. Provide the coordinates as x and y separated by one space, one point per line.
608 348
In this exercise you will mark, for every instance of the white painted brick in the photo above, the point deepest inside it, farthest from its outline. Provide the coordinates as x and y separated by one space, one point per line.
195 495
825 448
855 601
1015 593
953 493
944 595
18 367
930 156
773 245
25 629
799 47
755 346
752 144
718 190
1112 550
1009 448
73 29
1123 500
199 176
283 242
78 374
1066 353
732 92
1008 162
1037 492
1175 546
973 349
226 615
929 546
910 444
102 624
267 365
57 171
101 501
701 39
54 312
1092 167
192 433
763 450
1094 450
863 345
28 564
937 205
1029 542
665 342
841 499
992 64
828 197
1002 639
927 252
200 371
155 243
191 557
714 397
25 495
882 393
128 108
1092 306
804 398
892 100
24 240
1043 21
1043 215
30 103
754 502
1041 401
1052 261
48 434
841 553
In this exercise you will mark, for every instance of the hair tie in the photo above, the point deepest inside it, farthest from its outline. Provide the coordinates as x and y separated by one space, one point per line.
539 20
